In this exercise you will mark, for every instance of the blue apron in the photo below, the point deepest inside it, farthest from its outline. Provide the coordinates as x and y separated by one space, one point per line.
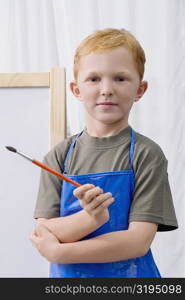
121 185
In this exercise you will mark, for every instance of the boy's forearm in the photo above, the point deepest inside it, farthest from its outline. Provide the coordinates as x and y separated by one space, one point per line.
109 247
114 246
74 227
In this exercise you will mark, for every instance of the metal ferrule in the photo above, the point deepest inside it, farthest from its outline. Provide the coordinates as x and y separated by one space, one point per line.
23 155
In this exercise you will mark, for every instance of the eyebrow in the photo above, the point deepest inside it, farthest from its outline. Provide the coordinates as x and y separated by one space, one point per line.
92 73
125 73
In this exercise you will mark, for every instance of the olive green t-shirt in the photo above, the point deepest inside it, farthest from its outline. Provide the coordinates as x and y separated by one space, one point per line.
152 200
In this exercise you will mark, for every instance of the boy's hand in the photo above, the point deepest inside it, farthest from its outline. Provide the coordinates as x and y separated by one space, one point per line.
45 242
94 201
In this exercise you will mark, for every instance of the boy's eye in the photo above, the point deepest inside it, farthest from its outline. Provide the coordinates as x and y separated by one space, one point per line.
94 79
119 78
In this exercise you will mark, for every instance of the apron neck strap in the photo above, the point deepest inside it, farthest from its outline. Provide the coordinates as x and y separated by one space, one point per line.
131 152
70 151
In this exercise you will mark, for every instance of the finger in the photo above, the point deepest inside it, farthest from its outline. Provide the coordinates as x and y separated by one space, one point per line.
91 194
78 192
103 202
34 239
100 199
92 203
34 231
103 206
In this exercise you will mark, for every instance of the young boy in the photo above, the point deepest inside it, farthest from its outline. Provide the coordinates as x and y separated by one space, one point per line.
105 227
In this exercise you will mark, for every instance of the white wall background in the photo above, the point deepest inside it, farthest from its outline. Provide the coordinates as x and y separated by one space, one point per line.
36 35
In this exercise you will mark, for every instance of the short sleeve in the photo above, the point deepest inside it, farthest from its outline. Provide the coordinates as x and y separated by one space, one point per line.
50 186
152 201
48 198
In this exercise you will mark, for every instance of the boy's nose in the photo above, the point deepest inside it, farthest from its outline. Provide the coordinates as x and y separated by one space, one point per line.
106 93
106 89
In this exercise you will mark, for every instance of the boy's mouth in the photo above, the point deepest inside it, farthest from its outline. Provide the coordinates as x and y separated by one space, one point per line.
107 103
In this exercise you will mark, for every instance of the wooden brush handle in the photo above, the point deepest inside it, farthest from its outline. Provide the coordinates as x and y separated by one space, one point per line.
41 165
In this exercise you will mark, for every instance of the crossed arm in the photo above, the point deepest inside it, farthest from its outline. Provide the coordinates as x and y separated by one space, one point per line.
58 239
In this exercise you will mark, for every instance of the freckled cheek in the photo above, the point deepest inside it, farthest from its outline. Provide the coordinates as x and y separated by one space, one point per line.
89 99
127 94
88 91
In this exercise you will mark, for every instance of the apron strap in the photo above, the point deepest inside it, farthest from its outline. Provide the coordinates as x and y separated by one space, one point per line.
70 151
132 147
131 152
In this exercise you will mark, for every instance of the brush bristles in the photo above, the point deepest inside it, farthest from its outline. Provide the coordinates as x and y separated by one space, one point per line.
11 149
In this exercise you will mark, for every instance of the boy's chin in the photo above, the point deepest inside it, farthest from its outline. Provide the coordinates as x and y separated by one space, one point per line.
112 121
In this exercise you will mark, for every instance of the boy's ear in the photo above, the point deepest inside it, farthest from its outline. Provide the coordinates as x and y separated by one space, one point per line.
75 89
141 90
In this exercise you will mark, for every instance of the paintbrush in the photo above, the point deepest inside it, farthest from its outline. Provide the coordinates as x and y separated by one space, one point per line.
41 165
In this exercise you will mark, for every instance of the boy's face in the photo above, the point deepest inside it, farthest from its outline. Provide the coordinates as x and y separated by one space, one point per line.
108 83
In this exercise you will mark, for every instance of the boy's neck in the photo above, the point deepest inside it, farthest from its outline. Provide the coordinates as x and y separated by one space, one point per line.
105 130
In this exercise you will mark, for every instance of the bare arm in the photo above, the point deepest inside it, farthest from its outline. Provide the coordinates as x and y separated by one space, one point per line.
114 246
71 228
95 213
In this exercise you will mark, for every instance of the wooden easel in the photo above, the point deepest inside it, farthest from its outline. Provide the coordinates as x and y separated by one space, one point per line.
55 81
